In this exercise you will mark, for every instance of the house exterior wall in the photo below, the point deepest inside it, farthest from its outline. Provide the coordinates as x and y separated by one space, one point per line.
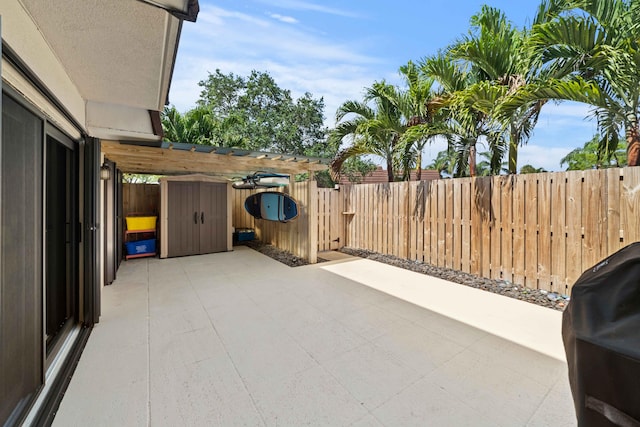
33 77
50 95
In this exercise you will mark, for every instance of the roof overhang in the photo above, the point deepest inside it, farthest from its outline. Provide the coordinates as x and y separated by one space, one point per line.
166 158
186 10
118 54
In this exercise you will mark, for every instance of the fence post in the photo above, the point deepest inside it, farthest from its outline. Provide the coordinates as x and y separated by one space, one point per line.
312 214
407 231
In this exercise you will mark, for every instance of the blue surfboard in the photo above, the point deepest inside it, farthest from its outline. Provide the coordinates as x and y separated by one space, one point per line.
271 206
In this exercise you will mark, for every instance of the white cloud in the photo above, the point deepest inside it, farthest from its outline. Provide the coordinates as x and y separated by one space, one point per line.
542 157
285 19
308 6
557 116
299 59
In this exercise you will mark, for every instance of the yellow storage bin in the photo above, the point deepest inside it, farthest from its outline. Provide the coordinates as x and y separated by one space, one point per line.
141 223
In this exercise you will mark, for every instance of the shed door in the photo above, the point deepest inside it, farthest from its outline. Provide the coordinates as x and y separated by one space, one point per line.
183 216
213 217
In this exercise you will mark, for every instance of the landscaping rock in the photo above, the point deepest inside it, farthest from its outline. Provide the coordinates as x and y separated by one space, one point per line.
502 287
275 253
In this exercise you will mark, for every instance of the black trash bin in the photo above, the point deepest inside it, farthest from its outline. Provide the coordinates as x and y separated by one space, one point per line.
601 335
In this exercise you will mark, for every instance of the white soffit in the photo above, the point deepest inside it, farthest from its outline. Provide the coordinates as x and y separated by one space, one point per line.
118 52
107 121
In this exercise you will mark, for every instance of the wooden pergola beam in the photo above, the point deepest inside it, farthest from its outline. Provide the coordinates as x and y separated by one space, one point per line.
159 161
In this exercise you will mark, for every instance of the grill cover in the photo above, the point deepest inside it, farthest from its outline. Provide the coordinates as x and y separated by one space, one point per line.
601 335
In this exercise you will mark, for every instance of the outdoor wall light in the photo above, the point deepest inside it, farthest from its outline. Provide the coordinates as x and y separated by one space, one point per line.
105 172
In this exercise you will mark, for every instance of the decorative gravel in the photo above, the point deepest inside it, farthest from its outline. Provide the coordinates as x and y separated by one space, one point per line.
275 253
502 287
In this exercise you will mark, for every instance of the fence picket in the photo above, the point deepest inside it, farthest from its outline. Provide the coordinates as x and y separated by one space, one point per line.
614 177
495 230
506 210
629 205
544 231
531 231
574 229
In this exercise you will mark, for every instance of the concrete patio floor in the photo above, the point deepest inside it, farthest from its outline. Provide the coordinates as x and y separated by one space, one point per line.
239 339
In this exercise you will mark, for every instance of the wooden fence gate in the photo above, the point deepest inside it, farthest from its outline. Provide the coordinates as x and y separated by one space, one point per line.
330 219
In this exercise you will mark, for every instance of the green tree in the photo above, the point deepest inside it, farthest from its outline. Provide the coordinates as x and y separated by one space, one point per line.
444 163
261 115
591 54
357 168
503 62
134 178
420 107
531 169
194 127
466 124
487 168
373 126
591 156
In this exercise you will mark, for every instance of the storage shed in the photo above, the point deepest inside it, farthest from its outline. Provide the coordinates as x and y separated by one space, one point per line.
195 215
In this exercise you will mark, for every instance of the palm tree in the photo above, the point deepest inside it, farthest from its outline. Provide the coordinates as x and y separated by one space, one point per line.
369 129
487 167
499 54
200 127
466 124
444 162
194 127
591 53
419 106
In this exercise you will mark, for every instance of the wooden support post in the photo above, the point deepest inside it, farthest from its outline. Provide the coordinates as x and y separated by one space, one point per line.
312 213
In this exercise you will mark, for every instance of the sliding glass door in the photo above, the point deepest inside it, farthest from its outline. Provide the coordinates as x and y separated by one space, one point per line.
21 301
60 238
39 251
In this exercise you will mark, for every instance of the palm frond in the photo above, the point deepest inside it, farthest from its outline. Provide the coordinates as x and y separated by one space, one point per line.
354 107
575 89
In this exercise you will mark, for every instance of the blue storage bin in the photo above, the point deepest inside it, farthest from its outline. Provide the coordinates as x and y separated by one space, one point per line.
245 234
141 247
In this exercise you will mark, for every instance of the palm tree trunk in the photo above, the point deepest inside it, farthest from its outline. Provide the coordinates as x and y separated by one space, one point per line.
513 158
633 145
513 152
472 160
390 175
419 167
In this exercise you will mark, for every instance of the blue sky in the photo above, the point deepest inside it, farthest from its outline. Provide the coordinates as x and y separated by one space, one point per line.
335 49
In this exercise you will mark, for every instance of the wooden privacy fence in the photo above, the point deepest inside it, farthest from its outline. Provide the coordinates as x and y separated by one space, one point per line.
140 199
538 230
297 236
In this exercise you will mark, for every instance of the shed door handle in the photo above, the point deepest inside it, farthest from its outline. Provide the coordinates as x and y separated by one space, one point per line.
202 217
195 217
